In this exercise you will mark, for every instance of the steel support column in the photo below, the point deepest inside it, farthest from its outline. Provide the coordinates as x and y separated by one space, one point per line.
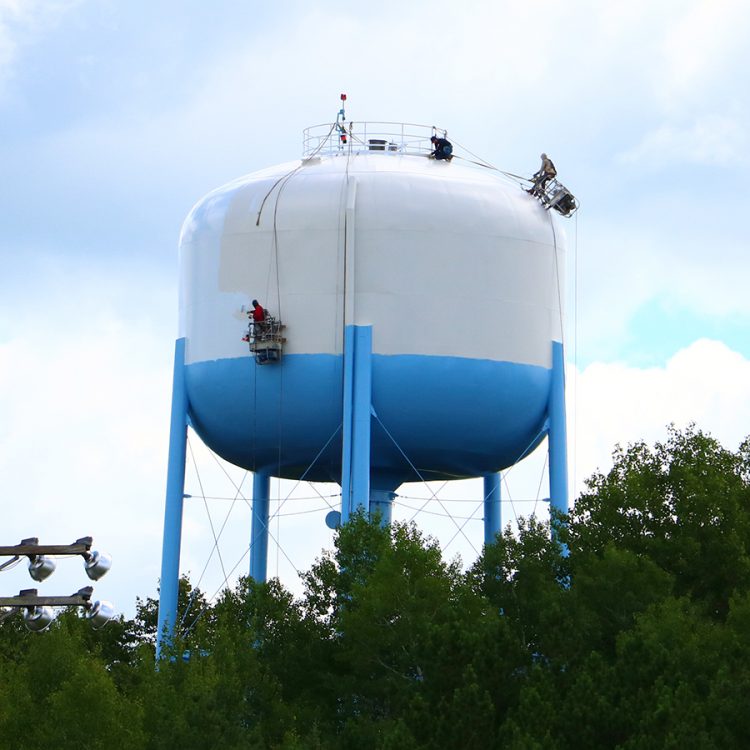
259 530
557 437
382 501
492 512
170 555
355 458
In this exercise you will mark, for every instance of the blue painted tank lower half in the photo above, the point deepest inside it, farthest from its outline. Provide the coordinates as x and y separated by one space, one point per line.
436 417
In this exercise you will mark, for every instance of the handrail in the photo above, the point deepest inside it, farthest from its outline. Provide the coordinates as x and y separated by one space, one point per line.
357 137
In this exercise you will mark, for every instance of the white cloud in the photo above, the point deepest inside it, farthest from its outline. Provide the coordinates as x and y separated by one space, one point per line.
701 45
609 403
712 139
22 22
84 404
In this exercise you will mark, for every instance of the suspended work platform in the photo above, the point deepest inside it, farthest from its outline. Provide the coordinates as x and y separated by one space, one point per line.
265 340
555 195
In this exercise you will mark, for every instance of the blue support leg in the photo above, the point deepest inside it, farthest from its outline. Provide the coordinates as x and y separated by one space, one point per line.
355 458
558 445
492 516
170 556
382 501
259 530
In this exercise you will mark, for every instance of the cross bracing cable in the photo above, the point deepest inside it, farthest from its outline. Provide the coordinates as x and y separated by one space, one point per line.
422 479
222 584
228 575
541 479
319 496
221 530
307 471
205 505
436 513
275 539
460 529
286 499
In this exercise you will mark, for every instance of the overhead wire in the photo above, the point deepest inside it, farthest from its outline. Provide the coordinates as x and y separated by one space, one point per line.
10 564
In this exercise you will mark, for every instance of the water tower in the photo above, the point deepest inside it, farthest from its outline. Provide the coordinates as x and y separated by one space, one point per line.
416 333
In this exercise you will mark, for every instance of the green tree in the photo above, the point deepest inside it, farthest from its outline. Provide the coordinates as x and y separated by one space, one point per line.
683 504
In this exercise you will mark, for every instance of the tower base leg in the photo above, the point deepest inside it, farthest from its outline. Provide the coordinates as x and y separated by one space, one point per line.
355 456
170 556
259 529
492 514
381 501
557 436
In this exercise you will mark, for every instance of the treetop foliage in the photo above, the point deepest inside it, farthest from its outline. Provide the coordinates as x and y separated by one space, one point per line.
624 625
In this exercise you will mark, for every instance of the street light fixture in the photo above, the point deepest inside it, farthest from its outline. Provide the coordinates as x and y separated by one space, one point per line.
41 567
97 564
37 619
37 612
100 614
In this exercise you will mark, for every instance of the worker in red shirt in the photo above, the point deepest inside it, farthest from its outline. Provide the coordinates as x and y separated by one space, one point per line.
258 313
257 316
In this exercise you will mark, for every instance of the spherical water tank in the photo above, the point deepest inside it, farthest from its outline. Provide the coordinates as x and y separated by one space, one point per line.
456 268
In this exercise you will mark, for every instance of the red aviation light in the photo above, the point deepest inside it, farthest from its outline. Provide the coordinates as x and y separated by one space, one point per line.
343 97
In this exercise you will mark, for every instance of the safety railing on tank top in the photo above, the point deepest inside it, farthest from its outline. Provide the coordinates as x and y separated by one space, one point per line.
358 137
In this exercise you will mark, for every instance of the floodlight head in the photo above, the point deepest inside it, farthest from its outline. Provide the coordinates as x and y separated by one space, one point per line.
97 564
38 618
41 567
100 614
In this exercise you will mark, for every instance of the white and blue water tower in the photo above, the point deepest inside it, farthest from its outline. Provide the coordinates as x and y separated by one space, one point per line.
422 311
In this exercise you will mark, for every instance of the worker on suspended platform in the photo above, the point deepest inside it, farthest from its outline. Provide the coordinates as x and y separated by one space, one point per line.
257 317
542 176
443 149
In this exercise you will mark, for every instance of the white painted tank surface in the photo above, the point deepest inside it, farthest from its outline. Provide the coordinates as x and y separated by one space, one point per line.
456 268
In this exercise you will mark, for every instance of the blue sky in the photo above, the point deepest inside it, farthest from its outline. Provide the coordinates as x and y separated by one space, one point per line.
115 118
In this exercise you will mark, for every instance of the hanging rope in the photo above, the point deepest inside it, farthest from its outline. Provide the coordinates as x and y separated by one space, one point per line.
557 275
